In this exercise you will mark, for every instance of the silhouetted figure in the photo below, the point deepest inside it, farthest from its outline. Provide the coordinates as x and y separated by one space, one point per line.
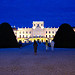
65 37
20 42
35 47
52 45
46 45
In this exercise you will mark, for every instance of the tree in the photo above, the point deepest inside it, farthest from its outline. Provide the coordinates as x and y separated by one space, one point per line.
65 37
7 37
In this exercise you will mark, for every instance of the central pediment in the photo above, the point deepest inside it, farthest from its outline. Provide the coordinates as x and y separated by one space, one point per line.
38 28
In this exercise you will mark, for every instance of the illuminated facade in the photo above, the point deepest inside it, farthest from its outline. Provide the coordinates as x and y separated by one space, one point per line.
37 32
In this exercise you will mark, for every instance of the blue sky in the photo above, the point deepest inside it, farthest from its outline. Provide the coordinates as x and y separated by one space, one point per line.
24 12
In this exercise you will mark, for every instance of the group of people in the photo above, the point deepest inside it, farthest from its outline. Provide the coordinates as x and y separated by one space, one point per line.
35 46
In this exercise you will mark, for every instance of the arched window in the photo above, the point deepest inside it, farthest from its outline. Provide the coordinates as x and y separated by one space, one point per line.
30 32
37 25
46 36
52 31
49 36
49 31
42 40
20 36
23 36
46 31
23 32
26 32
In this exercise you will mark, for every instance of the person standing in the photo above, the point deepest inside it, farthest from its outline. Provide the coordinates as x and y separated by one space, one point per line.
20 43
46 45
52 45
35 47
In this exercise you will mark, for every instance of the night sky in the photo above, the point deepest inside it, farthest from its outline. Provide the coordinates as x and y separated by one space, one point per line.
22 13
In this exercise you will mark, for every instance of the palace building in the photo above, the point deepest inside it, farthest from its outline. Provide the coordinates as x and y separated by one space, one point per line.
38 32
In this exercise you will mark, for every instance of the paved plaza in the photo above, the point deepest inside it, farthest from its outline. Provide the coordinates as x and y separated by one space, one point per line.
22 61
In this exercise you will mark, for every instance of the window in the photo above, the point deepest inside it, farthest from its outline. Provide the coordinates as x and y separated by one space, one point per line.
20 32
52 36
34 24
37 25
30 32
42 40
23 32
23 36
52 31
49 36
20 36
41 24
46 36
26 32
46 31
49 31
